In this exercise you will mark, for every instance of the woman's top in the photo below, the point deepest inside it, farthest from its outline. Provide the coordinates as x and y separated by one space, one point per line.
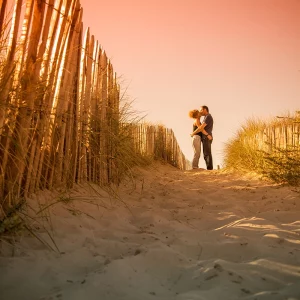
194 128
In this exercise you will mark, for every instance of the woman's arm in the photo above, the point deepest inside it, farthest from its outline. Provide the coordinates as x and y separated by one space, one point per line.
200 128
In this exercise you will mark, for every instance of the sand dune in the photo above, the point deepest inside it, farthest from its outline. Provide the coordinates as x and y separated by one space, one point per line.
170 234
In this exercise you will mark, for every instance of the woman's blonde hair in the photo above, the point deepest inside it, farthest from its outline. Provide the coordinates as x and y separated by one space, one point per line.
194 113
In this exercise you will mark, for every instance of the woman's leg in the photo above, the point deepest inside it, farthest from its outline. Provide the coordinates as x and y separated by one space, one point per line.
196 144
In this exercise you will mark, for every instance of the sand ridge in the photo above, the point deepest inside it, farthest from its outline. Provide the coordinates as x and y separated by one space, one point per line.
170 234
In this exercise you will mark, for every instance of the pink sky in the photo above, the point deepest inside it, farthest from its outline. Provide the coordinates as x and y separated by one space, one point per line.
241 58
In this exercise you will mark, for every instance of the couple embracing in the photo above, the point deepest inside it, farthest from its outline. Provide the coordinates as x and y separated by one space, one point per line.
202 133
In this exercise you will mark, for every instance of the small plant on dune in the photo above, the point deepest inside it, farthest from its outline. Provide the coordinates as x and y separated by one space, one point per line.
283 165
17 221
12 221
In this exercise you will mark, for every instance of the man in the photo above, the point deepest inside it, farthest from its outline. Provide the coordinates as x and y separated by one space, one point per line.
207 137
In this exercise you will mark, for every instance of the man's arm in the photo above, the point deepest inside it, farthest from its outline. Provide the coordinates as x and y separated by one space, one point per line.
200 128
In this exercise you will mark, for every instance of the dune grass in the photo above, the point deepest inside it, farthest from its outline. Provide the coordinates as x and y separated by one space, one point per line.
254 149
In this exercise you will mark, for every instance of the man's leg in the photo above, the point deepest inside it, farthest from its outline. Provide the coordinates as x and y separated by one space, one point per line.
207 153
196 144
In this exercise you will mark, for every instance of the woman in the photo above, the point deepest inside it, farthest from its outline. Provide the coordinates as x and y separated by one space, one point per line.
196 137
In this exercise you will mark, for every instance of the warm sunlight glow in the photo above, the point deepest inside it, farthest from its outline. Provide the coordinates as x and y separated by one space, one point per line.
278 267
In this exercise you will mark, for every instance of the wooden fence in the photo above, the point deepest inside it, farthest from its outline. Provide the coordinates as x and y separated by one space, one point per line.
284 135
159 142
59 103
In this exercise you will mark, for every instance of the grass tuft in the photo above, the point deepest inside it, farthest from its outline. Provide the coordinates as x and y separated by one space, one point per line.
269 148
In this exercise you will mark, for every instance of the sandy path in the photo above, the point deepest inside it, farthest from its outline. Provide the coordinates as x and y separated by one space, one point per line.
183 235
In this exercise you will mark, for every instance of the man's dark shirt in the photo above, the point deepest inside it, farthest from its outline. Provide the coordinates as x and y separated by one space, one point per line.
209 121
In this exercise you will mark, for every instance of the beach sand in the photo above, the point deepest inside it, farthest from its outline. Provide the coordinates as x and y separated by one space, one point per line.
167 234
